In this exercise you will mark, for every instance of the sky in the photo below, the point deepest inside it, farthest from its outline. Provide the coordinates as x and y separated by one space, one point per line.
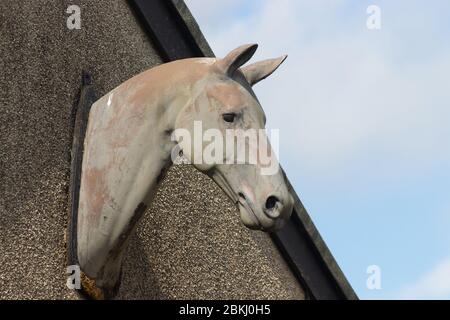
364 120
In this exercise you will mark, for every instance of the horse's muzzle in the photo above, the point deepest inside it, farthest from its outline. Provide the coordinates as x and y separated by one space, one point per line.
271 216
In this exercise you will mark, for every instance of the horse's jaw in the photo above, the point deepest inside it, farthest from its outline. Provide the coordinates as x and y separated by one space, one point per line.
248 215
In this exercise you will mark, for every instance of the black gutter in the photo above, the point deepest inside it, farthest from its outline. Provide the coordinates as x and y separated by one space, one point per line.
176 34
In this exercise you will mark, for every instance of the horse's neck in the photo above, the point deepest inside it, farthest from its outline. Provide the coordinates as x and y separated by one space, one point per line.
164 91
127 150
135 121
160 94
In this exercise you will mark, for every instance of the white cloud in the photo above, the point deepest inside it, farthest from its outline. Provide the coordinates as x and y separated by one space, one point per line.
435 284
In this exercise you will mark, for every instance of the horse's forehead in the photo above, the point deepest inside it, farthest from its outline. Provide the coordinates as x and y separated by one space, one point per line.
229 95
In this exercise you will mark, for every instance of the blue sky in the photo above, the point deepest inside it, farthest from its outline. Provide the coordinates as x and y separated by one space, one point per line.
364 119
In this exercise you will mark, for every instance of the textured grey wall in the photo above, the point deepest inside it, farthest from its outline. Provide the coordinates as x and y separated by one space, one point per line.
190 243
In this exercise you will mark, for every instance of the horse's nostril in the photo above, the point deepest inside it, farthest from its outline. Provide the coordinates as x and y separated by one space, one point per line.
271 202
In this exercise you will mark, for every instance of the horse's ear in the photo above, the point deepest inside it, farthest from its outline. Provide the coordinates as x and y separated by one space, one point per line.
237 58
258 71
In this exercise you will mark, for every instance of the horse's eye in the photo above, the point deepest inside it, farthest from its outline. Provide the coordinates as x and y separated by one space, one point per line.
229 117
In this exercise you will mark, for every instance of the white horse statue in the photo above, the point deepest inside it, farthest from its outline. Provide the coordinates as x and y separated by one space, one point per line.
129 145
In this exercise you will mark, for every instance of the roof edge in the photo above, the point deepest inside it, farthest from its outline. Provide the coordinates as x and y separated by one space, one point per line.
193 27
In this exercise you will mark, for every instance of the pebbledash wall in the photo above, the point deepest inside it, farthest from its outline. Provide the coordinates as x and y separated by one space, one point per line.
190 244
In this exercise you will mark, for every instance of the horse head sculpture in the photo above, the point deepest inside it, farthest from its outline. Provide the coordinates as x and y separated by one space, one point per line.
133 133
